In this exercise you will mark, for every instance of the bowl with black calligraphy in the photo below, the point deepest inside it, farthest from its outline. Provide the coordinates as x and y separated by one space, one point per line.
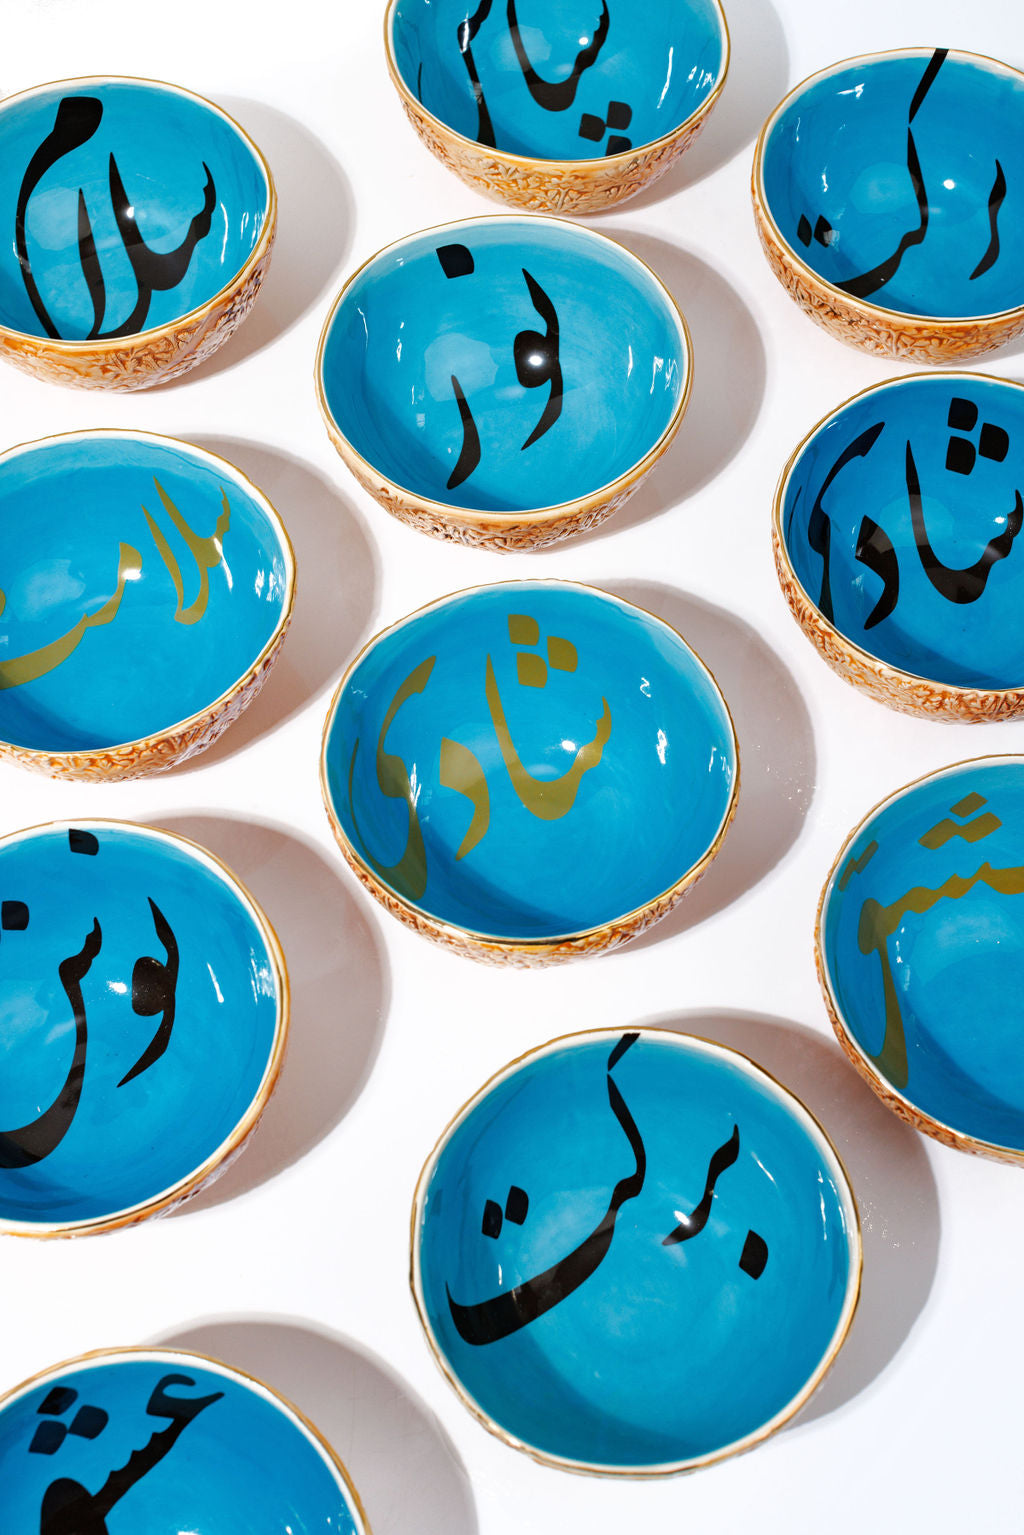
504 381
147 590
920 951
143 1020
895 532
889 199
160 1439
529 771
143 218
555 107
634 1253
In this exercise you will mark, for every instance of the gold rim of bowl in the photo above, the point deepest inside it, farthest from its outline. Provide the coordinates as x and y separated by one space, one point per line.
222 1155
818 1134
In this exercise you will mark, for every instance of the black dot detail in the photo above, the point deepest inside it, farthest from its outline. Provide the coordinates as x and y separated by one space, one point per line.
960 455
456 260
620 114
803 230
591 127
58 1400
993 443
963 415
516 1205
83 842
13 916
48 1438
89 1422
618 145
491 1226
754 1255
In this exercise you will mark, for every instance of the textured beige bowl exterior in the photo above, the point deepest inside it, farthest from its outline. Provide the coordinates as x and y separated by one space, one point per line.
552 186
867 326
168 351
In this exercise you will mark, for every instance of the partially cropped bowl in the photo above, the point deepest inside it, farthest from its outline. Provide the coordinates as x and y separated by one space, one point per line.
142 219
549 107
889 198
157 1439
634 1253
505 381
147 589
894 529
529 771
143 1020
920 951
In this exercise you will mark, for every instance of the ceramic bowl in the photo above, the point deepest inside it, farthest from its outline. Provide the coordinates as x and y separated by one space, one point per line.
529 771
141 218
920 948
889 197
147 588
158 1439
503 381
143 1018
634 1253
894 531
538 107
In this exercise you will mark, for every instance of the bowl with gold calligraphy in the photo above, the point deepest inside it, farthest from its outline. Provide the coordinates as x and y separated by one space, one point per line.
634 1253
503 381
895 533
143 1021
555 107
160 1439
920 949
529 771
142 217
889 198
147 589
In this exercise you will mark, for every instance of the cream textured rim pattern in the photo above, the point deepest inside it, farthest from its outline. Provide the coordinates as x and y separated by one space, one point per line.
531 527
907 692
901 1105
811 1124
218 1160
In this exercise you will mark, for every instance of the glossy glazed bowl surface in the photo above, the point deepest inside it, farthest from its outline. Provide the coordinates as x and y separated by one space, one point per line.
921 953
157 1439
143 1016
634 1252
529 765
146 585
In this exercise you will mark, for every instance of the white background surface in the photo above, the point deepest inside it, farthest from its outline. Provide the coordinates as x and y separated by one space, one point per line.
294 1265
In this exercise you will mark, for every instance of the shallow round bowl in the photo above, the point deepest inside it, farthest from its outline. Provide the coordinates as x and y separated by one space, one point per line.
503 381
529 771
634 1253
146 589
143 1018
141 218
895 528
920 947
889 197
160 1439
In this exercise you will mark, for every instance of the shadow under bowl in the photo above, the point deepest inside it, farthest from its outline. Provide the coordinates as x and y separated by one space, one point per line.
143 1020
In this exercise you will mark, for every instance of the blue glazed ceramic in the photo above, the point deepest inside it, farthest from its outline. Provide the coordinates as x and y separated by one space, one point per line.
921 953
156 1440
529 770
495 367
146 586
143 1016
634 1252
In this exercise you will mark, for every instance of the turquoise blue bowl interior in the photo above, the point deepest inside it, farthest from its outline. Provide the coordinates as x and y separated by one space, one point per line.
142 578
143 1005
529 761
634 1252
898 178
899 517
130 204
551 80
504 364
155 1439
922 941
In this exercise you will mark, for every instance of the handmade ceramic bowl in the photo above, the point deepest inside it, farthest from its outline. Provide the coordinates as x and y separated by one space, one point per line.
143 1019
529 771
555 107
147 588
889 198
160 1439
142 219
634 1253
503 381
894 532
